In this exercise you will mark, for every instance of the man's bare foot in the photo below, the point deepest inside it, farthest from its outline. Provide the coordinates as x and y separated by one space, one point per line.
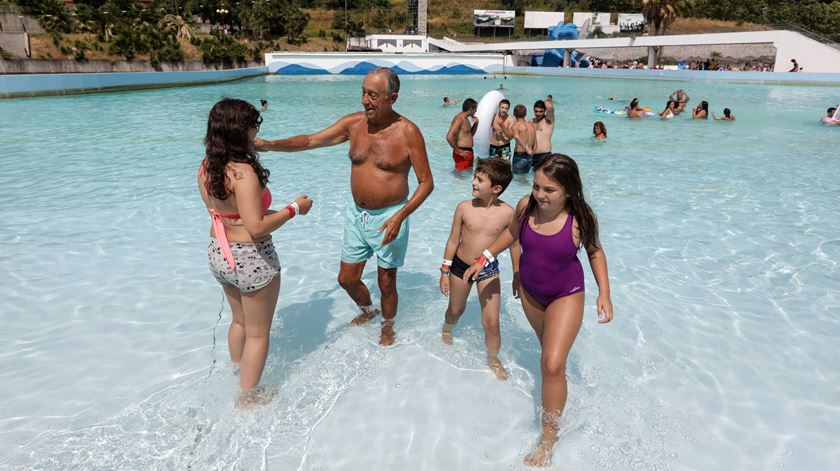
541 456
387 336
497 369
365 316
259 396
446 337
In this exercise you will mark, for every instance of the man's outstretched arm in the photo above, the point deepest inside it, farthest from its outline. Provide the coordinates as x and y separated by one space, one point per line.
336 134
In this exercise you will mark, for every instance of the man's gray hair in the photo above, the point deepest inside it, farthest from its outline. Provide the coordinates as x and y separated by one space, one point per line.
392 80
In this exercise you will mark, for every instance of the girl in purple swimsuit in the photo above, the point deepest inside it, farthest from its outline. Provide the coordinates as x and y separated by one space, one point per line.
551 225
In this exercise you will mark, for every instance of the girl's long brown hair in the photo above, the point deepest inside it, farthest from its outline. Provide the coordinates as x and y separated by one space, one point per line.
227 141
564 170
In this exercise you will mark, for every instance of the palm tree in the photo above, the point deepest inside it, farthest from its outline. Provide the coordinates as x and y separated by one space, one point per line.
661 13
176 25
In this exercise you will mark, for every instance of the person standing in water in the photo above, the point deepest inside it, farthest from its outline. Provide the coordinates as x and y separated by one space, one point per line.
599 131
460 135
232 183
727 116
499 142
384 148
552 224
476 223
525 135
544 125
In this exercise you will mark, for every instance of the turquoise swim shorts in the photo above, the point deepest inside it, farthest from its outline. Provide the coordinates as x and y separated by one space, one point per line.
360 240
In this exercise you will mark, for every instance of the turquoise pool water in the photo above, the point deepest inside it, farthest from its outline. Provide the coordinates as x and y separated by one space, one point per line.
723 249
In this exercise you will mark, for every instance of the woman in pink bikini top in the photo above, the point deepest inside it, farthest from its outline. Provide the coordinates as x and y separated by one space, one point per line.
232 183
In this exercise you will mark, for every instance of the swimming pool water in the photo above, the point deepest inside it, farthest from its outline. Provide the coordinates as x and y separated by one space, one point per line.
723 251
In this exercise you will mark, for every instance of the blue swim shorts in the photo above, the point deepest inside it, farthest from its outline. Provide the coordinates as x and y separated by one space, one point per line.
361 241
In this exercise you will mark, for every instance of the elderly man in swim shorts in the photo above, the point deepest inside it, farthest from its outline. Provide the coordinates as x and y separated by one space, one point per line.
384 147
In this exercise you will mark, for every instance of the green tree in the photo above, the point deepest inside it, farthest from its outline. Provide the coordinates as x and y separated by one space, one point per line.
176 26
661 13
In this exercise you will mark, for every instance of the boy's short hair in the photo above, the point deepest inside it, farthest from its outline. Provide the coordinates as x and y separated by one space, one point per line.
831 110
519 111
726 112
505 102
497 170
540 104
469 104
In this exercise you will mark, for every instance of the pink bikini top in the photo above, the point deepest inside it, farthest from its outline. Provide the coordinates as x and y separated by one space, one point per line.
219 226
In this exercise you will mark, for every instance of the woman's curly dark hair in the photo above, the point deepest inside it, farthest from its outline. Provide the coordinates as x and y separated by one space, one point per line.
227 141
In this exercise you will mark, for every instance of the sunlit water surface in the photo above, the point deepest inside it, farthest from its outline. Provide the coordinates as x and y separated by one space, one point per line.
724 259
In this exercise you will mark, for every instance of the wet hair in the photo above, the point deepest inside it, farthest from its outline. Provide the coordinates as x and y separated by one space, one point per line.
704 105
392 80
831 110
726 112
599 124
671 102
445 99
564 171
634 102
497 170
469 104
263 102
539 104
519 111
505 102
227 141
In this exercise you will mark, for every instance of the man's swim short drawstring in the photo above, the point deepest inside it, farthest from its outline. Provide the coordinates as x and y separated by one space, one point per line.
364 217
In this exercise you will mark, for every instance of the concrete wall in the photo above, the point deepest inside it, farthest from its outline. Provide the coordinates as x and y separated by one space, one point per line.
13 23
63 84
38 66
17 44
803 78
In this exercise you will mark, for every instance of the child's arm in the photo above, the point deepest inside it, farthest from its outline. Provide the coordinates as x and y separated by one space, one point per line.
598 262
515 253
451 248
502 242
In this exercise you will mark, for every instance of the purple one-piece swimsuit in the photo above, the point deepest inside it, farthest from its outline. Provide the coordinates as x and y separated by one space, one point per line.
549 268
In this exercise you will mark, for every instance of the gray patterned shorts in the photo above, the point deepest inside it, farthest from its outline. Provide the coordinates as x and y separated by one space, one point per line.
256 264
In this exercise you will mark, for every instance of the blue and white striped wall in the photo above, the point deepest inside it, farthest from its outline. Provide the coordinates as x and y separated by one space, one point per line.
360 63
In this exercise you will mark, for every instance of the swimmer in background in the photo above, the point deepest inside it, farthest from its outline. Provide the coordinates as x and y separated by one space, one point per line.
499 142
701 111
501 86
263 105
669 111
449 102
727 116
460 135
829 117
599 131
680 98
634 111
477 223
544 124
525 134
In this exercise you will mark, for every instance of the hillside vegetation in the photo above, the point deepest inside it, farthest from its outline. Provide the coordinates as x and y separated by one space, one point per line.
221 31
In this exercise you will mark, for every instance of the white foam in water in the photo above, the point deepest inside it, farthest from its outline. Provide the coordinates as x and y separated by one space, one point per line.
723 254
